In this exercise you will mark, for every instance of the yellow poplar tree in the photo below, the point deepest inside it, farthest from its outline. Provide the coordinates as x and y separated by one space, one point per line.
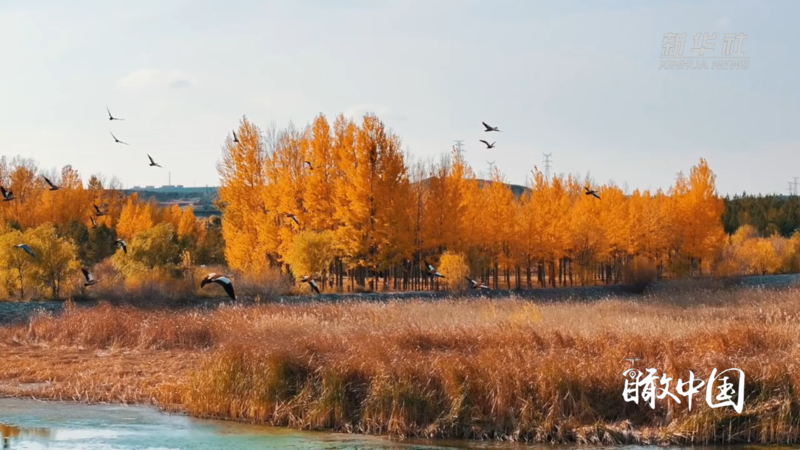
498 224
241 180
371 194
699 213
56 259
319 182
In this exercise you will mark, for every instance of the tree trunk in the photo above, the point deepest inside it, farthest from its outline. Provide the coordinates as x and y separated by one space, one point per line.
540 273
21 285
528 274
569 271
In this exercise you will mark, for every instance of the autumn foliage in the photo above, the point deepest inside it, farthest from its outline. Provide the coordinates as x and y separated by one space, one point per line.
341 202
65 233
388 214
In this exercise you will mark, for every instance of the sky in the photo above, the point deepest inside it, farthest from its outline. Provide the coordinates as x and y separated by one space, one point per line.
580 80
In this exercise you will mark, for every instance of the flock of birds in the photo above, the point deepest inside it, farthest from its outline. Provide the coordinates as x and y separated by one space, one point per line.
117 141
489 128
222 280
8 196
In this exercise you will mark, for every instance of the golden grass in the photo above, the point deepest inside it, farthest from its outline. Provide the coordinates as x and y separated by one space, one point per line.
482 369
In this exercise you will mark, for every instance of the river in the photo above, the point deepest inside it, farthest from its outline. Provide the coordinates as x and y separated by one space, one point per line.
31 424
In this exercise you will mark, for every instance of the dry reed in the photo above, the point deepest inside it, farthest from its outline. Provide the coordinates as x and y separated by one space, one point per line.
480 369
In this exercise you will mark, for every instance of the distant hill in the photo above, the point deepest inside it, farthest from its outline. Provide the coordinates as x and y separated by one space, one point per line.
516 189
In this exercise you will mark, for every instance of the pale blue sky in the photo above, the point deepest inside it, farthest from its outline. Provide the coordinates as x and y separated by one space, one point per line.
579 79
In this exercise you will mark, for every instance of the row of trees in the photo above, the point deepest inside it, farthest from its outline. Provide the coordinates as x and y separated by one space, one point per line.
748 252
771 214
366 209
368 213
59 226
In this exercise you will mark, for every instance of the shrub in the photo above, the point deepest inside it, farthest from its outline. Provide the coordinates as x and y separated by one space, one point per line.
454 267
311 253
155 247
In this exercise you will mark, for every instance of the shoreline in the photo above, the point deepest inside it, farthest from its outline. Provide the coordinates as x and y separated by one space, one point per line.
15 312
617 434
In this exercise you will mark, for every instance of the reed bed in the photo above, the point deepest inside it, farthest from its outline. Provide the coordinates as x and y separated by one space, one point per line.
463 368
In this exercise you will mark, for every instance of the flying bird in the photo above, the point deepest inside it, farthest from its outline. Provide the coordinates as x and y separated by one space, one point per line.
123 244
110 117
309 165
475 285
26 248
117 140
311 283
488 145
94 222
53 187
7 194
432 270
293 217
89 279
591 192
98 212
235 139
152 163
220 280
489 127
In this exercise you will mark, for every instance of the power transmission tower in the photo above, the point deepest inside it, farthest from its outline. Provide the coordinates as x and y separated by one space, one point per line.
791 188
547 166
491 167
459 147
795 185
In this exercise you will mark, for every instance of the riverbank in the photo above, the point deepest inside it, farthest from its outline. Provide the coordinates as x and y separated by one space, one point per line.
470 368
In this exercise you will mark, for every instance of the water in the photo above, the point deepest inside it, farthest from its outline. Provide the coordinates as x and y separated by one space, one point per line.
30 424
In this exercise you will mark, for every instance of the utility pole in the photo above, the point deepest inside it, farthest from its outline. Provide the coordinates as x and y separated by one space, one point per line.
459 147
547 166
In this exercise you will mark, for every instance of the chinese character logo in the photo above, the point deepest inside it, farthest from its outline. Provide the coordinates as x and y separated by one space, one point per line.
732 56
673 44
650 388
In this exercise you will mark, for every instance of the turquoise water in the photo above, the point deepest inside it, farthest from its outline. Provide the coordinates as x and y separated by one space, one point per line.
31 424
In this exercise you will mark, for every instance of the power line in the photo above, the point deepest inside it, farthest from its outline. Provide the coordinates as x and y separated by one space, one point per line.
547 166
